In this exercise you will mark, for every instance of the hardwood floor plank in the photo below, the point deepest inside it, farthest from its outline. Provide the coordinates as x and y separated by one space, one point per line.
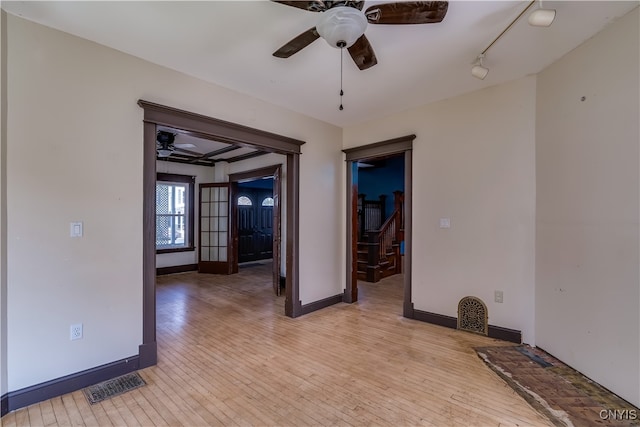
62 417
22 417
228 356
48 415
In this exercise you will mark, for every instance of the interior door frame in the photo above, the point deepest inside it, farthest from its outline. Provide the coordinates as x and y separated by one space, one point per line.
219 130
274 171
402 145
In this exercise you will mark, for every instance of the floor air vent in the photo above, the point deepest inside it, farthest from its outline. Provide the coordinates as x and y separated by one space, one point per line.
110 388
472 315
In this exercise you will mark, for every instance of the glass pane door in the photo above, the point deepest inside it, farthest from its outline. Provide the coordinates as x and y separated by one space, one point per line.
214 229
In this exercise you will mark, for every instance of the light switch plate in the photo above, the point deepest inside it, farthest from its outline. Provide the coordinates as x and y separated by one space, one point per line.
76 229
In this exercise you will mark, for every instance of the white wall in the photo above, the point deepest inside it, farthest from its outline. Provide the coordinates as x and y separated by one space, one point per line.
203 174
3 205
74 150
472 163
587 279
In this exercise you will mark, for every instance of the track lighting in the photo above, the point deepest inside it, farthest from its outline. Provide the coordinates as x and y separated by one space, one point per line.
479 71
542 17
538 18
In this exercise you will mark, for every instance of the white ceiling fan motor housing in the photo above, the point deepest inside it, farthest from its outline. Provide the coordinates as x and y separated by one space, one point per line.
341 26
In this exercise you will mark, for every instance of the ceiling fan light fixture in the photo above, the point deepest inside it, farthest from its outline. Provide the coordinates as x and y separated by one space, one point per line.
341 26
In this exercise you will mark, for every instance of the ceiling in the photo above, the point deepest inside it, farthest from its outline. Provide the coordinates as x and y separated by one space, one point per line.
201 151
230 43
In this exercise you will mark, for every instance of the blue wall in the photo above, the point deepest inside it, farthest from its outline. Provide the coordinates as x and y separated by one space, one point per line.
383 180
257 183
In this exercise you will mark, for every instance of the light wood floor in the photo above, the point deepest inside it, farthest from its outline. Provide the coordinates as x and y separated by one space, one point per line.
229 356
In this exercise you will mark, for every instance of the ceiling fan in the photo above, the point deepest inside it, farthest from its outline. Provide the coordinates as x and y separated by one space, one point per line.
342 24
165 144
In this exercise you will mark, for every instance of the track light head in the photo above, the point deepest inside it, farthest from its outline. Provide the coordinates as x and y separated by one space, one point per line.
542 17
479 71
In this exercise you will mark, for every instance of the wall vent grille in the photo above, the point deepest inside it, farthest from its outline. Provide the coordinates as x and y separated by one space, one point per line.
472 315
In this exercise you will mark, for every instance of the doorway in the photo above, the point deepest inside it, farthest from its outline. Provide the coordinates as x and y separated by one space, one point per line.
156 115
399 146
257 226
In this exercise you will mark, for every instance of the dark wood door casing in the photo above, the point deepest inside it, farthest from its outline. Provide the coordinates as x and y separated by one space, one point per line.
197 124
402 145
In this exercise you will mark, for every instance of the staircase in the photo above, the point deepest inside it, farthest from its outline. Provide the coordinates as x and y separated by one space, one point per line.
378 251
387 265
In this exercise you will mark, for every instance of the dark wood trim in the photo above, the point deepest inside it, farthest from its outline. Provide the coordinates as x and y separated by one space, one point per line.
172 250
4 405
254 173
436 319
292 303
402 145
148 354
207 127
351 292
323 303
216 152
380 149
407 259
174 177
498 332
70 383
161 271
505 334
231 132
149 241
176 158
245 156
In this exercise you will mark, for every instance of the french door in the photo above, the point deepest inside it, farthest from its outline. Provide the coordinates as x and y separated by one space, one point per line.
215 237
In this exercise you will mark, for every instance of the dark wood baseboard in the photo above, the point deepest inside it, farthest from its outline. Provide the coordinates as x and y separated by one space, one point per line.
436 319
323 303
4 405
70 383
505 334
160 271
147 355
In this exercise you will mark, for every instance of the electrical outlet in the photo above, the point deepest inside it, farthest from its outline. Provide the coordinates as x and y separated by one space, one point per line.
497 295
76 332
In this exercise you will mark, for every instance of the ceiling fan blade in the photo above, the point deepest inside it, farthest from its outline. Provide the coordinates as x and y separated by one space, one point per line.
362 53
312 5
412 12
297 44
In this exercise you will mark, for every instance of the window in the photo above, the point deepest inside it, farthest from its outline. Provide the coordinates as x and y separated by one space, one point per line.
268 201
174 213
244 201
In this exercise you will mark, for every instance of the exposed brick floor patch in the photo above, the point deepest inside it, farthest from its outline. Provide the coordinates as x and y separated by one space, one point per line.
564 395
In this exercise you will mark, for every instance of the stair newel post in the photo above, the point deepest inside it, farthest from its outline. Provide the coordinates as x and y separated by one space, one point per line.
398 202
361 216
383 212
373 259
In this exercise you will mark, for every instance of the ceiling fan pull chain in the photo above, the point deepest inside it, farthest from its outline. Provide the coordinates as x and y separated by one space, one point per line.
341 91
